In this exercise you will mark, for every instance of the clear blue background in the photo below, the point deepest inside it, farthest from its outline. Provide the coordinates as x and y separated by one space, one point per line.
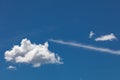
69 20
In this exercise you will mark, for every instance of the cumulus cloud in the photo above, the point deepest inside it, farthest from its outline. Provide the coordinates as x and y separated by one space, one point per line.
91 34
34 54
79 45
109 37
11 67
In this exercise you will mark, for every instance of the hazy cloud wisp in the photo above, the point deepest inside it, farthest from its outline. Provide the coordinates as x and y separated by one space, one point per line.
11 67
91 34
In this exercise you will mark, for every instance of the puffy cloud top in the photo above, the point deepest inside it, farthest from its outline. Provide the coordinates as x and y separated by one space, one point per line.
34 54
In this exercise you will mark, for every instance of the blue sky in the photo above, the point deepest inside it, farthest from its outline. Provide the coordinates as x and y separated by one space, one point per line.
66 20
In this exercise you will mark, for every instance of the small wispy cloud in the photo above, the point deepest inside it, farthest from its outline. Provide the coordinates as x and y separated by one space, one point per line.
91 34
11 67
79 45
108 37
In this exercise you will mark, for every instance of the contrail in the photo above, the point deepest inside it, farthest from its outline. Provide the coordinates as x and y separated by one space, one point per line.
100 49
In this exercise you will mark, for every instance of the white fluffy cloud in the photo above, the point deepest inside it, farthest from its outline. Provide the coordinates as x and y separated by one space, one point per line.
34 54
11 67
91 34
109 37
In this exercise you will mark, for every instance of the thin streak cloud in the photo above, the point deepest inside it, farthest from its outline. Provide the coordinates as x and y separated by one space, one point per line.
94 48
